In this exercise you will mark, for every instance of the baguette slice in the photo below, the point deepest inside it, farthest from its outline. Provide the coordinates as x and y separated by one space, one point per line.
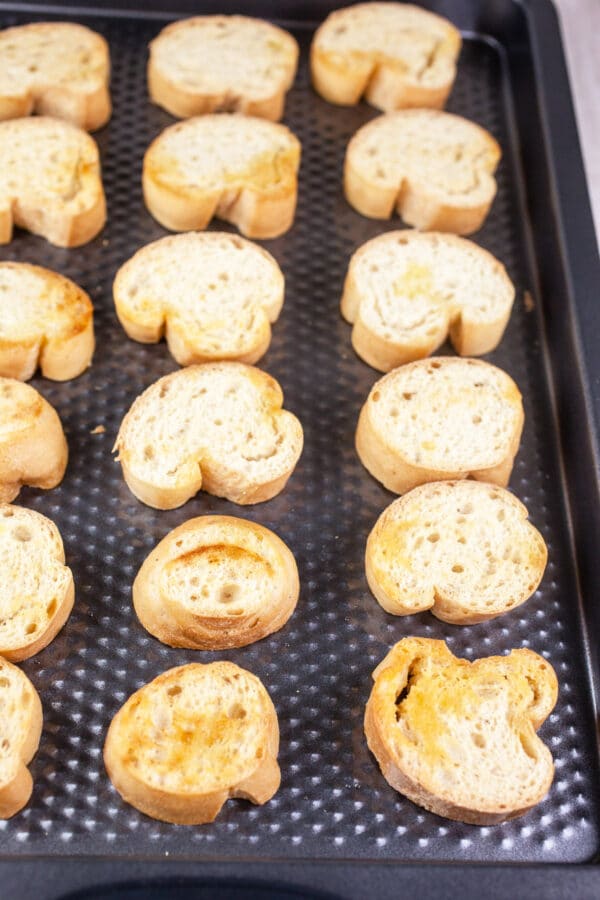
45 320
434 168
194 737
213 63
20 731
33 448
216 582
219 427
37 592
56 69
213 295
238 168
405 292
50 181
442 419
462 549
459 738
395 54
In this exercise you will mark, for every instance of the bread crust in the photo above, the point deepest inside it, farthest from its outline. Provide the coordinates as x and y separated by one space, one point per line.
17 785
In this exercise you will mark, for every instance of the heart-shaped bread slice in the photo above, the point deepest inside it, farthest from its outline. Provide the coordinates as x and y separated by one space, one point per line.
459 738
462 549
239 168
219 427
213 295
20 730
191 739
436 169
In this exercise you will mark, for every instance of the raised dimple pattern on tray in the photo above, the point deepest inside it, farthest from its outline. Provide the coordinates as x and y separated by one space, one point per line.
333 801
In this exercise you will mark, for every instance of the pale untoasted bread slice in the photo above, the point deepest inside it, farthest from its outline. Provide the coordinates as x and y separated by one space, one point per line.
213 63
394 54
238 168
56 69
462 549
45 320
20 730
219 427
213 295
405 292
434 168
50 181
459 738
36 592
191 739
33 448
441 419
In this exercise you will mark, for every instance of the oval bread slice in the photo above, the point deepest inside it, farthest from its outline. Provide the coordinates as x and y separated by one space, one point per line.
222 63
216 582
462 549
459 738
191 739
20 731
219 427
237 168
45 320
55 69
33 447
441 419
395 54
214 295
50 181
37 592
434 168
405 292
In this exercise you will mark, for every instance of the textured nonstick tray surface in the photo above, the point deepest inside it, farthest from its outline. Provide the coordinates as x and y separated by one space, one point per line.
333 802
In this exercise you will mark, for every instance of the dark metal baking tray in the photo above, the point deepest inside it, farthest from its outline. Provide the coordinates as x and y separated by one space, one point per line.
335 824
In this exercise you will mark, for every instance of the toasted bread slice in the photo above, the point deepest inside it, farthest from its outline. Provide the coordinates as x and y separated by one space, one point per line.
238 168
216 582
20 731
459 738
214 295
434 168
50 181
45 320
37 592
213 63
191 739
396 55
441 419
405 292
33 447
56 69
219 427
462 549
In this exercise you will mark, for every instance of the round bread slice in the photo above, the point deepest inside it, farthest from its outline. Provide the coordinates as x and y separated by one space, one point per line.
238 168
434 168
194 737
459 738
216 582
45 320
462 549
441 419
50 181
56 69
33 447
395 54
37 592
219 427
214 295
20 731
405 292
222 63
